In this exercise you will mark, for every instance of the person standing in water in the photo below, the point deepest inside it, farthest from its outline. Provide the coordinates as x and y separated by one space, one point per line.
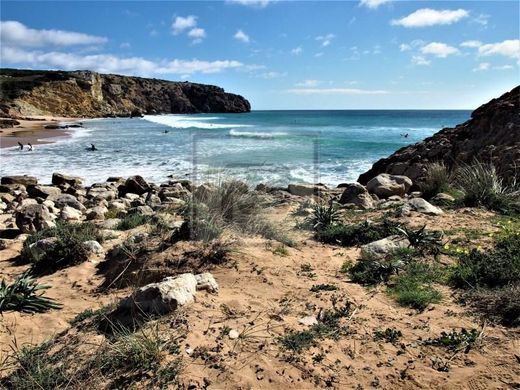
30 147
20 145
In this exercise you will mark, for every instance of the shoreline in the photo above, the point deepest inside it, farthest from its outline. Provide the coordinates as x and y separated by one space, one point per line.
33 131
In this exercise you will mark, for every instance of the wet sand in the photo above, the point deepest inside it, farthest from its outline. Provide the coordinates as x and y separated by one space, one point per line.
33 131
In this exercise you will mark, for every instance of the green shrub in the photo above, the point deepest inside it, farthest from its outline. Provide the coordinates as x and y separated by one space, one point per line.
357 234
455 340
409 292
68 249
374 271
436 180
25 295
482 186
422 240
131 221
323 287
390 335
323 216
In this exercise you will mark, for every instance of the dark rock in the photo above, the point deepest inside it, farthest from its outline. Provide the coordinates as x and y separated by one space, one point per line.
136 185
23 180
32 217
8 123
491 135
9 234
61 179
356 194
67 200
44 192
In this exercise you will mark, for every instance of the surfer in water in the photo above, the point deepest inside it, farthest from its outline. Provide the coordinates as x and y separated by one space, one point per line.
30 147
20 145
92 148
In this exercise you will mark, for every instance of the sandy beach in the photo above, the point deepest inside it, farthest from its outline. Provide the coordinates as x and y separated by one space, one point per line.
32 130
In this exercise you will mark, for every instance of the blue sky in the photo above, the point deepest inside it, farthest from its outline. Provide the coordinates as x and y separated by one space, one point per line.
283 54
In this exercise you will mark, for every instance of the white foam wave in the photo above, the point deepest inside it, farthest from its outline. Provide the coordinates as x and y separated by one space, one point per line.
184 122
255 134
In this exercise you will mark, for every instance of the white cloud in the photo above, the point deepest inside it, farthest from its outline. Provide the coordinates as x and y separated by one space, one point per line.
420 60
504 67
318 54
241 36
297 51
508 48
197 34
439 49
471 44
482 19
335 91
183 23
427 17
251 3
482 66
373 4
308 83
272 75
325 39
108 63
14 33
125 45
405 47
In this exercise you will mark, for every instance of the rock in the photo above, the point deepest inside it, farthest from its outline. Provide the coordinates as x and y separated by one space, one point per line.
206 281
23 180
39 248
305 189
32 217
94 247
116 205
308 321
136 185
60 179
10 233
64 200
385 185
101 193
110 224
355 193
70 214
491 135
233 334
135 239
381 248
163 297
13 189
153 200
201 192
7 198
97 212
141 210
442 199
422 206
6 243
3 206
39 191
27 202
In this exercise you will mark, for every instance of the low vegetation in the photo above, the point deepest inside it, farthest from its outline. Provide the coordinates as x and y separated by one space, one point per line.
436 180
26 295
357 234
131 221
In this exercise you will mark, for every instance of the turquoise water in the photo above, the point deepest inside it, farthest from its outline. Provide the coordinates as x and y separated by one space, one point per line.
275 147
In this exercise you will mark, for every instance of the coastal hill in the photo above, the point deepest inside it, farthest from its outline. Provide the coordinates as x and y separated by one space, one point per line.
91 94
492 134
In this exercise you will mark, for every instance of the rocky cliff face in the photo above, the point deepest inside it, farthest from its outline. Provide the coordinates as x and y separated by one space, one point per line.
491 135
90 94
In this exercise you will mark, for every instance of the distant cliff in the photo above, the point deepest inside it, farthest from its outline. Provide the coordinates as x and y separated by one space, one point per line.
91 94
491 135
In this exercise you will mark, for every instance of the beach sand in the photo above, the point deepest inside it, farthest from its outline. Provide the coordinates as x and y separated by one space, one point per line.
33 131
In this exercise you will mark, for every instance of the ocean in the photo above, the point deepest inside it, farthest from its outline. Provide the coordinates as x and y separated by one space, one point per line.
271 147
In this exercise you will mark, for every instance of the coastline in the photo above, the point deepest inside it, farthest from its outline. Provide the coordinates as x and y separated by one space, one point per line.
32 130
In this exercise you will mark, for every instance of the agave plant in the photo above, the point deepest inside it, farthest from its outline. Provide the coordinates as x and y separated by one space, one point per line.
25 295
422 240
324 216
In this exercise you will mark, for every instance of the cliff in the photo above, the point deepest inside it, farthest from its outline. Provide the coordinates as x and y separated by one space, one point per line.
491 135
91 94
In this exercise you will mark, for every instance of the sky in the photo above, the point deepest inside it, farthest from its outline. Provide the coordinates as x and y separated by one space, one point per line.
366 54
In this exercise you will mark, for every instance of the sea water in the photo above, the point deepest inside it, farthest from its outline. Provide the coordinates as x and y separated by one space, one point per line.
272 147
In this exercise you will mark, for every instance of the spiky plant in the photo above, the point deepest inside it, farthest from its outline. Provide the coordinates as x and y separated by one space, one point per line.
25 295
324 216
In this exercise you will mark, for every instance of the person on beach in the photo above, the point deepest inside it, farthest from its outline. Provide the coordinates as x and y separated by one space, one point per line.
30 147
21 145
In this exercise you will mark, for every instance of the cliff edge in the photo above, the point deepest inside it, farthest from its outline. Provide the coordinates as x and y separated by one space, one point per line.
90 94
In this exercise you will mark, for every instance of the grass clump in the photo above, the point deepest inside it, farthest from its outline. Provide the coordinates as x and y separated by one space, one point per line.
323 216
132 221
374 271
323 287
357 234
454 340
501 305
281 250
390 335
25 295
482 186
409 292
436 180
66 251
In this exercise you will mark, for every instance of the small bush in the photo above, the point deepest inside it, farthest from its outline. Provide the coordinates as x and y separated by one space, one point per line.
455 340
374 271
131 221
390 335
323 287
323 216
281 250
422 240
436 180
25 295
68 249
501 305
409 292
482 186
358 234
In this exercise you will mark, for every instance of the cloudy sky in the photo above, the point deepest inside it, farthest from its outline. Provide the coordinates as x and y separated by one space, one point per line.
283 54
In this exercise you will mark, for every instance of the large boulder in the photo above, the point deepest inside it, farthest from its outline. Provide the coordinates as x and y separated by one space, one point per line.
94 247
356 194
424 207
61 179
64 200
381 248
39 191
136 185
40 248
33 217
70 214
23 180
385 185
305 189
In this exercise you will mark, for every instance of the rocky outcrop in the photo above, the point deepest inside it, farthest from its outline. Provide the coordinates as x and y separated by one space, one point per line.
491 135
90 94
